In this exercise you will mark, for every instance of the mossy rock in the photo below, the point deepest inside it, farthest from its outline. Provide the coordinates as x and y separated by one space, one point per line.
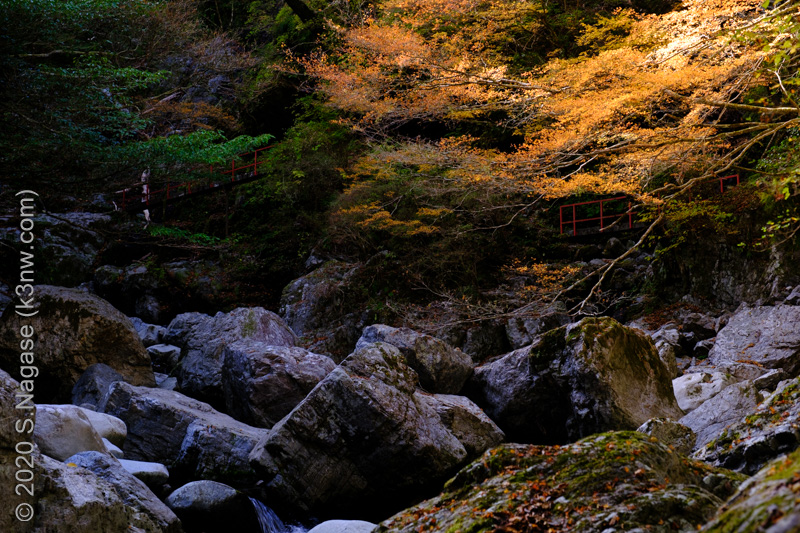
619 480
767 502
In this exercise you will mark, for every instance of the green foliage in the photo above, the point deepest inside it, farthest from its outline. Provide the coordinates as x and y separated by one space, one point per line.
179 234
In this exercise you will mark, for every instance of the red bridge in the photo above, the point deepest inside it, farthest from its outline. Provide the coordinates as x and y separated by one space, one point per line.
618 212
143 196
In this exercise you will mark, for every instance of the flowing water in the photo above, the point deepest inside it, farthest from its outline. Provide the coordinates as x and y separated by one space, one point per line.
270 522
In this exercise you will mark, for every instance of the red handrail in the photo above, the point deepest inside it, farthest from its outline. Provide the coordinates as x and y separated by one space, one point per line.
575 220
173 191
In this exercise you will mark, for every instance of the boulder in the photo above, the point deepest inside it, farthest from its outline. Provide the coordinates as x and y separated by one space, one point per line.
592 376
72 499
343 526
213 507
365 441
692 389
107 426
113 449
765 335
153 475
165 357
186 435
151 334
74 330
263 383
727 407
622 481
64 430
766 502
761 435
441 368
133 492
671 433
94 384
202 339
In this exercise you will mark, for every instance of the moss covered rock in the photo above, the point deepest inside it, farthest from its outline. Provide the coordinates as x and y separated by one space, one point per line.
596 375
767 502
618 480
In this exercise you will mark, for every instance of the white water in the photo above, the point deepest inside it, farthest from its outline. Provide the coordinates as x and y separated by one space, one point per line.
269 521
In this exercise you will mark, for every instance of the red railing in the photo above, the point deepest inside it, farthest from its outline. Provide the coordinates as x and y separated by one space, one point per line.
574 221
172 191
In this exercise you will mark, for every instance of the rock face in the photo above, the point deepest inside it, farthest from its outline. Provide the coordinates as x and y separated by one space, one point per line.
133 492
93 384
609 482
74 330
766 335
364 440
522 332
263 383
202 339
188 436
329 304
763 434
67 246
441 368
343 526
213 507
766 502
727 407
593 376
156 293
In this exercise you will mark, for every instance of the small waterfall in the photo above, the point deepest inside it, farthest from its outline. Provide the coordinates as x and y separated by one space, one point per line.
269 521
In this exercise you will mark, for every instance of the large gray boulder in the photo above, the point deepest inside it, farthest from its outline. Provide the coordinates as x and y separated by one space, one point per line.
203 338
366 441
440 367
263 383
727 407
74 330
523 331
759 435
213 507
186 435
765 335
133 492
593 376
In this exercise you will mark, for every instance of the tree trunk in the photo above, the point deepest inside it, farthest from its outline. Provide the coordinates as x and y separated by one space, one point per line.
302 10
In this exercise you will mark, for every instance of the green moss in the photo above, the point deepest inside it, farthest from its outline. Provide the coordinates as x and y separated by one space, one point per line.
249 325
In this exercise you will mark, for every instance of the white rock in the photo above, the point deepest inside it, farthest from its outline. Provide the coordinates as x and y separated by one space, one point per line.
107 426
152 474
692 390
343 526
